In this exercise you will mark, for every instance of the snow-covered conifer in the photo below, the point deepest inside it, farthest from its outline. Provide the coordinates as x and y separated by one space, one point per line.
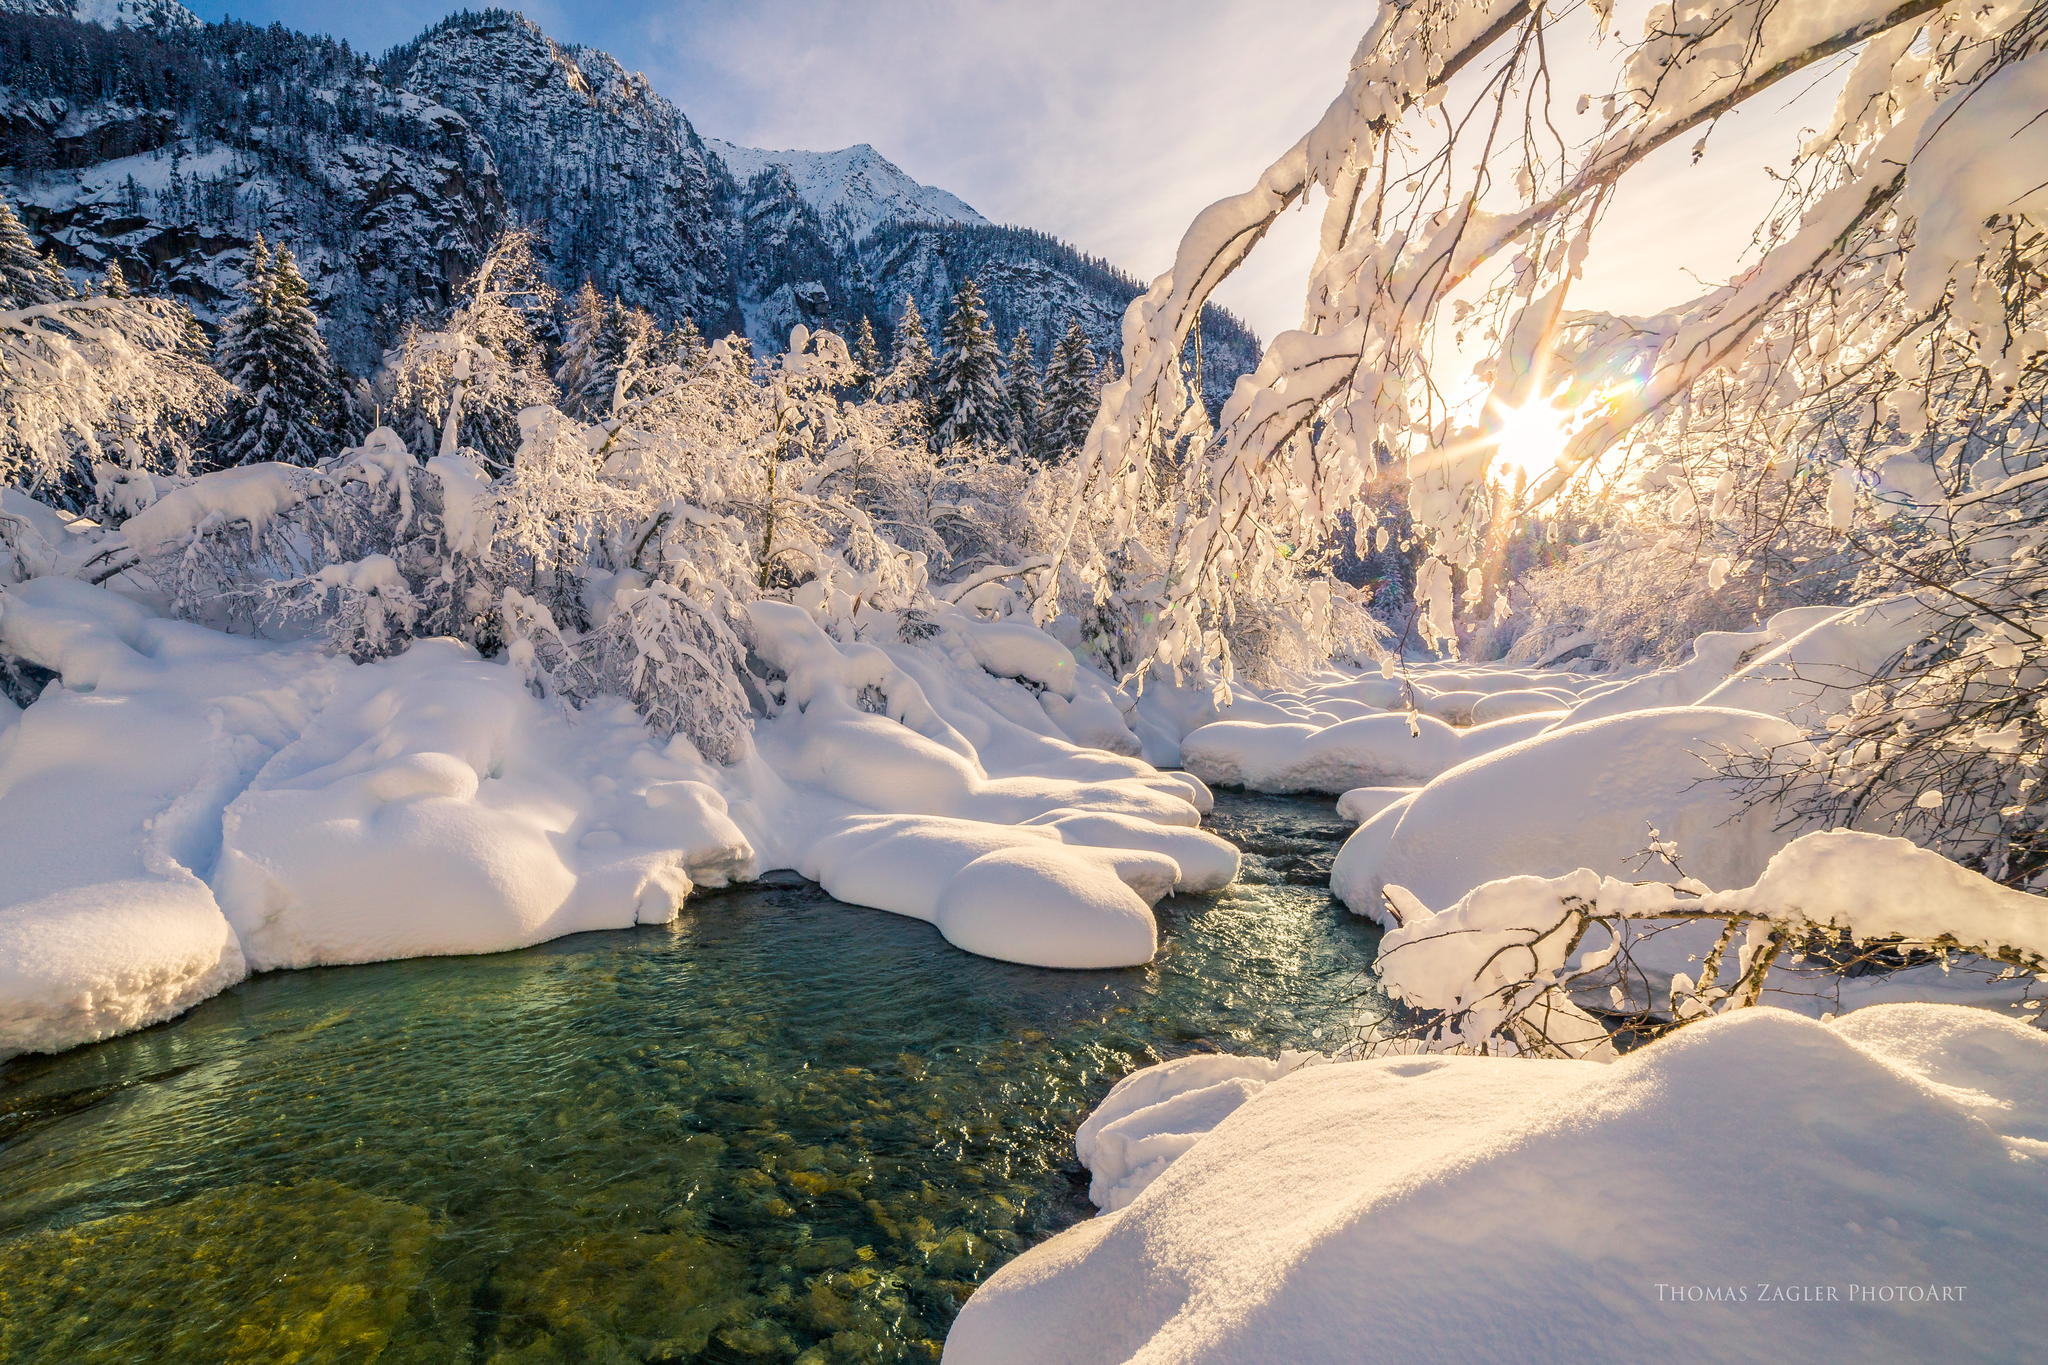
1023 394
1069 395
867 355
27 277
288 399
580 369
967 382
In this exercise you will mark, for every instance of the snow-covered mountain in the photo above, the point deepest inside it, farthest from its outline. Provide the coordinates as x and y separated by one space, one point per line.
108 13
854 190
131 132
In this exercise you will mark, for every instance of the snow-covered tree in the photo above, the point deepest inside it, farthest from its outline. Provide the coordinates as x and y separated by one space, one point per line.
464 383
967 381
114 284
1023 393
288 405
88 381
867 355
683 346
910 359
1070 395
582 371
27 277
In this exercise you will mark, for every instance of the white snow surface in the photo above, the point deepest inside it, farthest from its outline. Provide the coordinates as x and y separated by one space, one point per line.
182 806
854 190
1807 1188
1586 795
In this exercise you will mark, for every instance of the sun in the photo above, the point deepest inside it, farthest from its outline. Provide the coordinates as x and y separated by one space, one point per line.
1530 440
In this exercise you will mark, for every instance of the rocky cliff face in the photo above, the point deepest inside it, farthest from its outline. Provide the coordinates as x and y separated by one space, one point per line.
130 131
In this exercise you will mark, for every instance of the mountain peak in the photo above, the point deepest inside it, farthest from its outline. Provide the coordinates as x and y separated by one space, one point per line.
855 190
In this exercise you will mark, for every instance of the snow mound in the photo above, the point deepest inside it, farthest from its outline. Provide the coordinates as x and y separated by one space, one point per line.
1584 796
1152 1116
1756 1187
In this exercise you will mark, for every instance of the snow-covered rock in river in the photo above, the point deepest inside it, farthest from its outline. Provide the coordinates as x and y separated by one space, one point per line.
1595 795
1757 1187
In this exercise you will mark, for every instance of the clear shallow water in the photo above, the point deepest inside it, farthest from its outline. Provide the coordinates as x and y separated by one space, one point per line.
783 1128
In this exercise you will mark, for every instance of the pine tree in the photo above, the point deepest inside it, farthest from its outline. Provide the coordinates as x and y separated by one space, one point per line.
1071 395
114 284
967 381
27 277
910 362
686 345
288 406
583 369
1023 394
867 355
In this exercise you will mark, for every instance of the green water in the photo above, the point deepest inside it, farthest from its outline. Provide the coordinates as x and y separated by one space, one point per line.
781 1129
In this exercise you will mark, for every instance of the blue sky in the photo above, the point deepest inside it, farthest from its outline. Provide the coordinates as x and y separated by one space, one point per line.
1108 122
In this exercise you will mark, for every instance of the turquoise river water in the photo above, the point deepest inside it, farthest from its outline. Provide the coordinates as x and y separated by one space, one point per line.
780 1129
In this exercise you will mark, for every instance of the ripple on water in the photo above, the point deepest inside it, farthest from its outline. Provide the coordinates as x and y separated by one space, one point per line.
782 1128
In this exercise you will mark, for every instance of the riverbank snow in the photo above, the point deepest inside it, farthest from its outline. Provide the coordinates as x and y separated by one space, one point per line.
1756 1187
180 806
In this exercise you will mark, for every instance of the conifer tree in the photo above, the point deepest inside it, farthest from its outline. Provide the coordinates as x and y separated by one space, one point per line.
967 381
288 403
685 346
1023 394
867 355
114 284
908 378
1070 395
581 368
27 277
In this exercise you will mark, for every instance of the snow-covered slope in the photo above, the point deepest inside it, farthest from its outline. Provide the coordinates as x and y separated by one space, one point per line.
854 190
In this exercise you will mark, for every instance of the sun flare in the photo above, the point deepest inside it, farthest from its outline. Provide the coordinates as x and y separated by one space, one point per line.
1529 440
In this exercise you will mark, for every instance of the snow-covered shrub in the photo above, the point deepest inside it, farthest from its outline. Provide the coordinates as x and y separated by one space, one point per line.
1554 966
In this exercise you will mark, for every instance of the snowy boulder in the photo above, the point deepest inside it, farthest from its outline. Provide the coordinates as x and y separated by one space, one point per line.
1361 804
1583 796
1474 1208
1154 1115
1379 750
435 807
109 787
1047 908
1205 862
1022 893
1452 707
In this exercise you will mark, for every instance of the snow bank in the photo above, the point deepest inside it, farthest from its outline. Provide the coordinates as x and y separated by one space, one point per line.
185 806
105 788
1755 1187
1814 673
1154 1115
1341 733
1584 796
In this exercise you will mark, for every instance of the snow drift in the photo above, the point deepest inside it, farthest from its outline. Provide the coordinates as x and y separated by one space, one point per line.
1778 1187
